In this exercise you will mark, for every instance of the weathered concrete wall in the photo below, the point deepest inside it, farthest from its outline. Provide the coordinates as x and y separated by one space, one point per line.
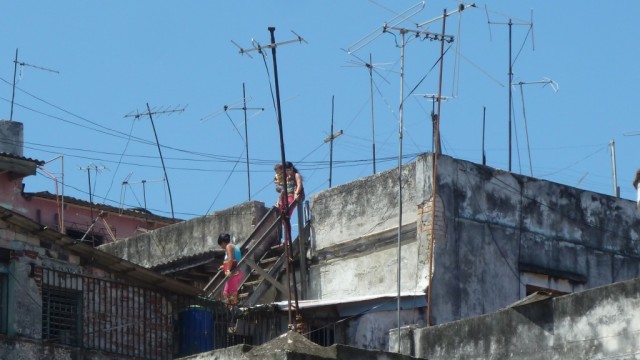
25 349
362 207
11 137
601 323
293 346
499 226
494 231
355 237
189 237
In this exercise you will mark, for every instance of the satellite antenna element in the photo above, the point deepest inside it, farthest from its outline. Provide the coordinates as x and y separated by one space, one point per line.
15 70
150 114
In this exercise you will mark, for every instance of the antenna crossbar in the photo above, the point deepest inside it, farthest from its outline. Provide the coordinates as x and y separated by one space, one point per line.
397 20
257 47
460 9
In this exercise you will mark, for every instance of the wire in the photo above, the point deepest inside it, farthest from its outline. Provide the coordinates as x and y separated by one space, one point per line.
225 182
120 161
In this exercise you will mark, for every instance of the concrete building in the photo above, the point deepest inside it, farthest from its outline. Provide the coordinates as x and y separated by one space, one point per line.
94 223
63 299
599 323
498 237
493 239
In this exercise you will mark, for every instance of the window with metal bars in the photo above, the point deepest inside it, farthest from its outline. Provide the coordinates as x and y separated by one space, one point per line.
3 302
61 315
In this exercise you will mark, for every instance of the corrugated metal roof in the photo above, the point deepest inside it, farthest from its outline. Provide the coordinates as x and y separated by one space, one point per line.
13 156
100 259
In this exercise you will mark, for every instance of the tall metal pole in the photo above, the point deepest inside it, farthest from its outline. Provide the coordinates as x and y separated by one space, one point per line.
144 193
401 111
246 138
616 189
331 143
13 91
510 91
291 276
484 114
432 242
373 131
161 159
90 203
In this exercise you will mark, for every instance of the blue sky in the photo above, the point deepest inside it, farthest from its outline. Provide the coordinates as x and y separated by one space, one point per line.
113 58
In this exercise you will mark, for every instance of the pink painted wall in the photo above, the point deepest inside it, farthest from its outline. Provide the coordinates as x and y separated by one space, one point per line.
77 218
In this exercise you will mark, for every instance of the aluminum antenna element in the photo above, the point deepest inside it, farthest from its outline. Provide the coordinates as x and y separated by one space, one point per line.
257 47
397 20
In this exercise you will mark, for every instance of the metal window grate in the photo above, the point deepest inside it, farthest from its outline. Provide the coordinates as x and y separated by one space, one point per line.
61 315
3 303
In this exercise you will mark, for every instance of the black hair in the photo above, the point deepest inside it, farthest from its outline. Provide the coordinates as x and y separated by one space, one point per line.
290 166
224 238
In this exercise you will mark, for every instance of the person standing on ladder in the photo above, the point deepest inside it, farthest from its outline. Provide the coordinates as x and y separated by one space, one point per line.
232 273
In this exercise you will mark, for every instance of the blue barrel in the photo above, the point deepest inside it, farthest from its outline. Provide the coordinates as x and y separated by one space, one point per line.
195 328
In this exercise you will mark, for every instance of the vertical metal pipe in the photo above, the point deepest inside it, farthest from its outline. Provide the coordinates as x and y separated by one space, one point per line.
331 143
161 160
616 190
400 179
287 227
13 91
246 138
373 131
435 179
484 113
510 90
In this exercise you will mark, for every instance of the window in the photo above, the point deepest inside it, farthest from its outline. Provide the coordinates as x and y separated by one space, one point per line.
4 295
555 286
324 336
4 288
61 315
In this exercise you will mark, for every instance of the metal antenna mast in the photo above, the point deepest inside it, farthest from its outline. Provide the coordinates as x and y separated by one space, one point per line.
554 86
97 169
246 132
371 67
144 182
284 214
15 70
417 34
510 23
150 114
330 141
435 143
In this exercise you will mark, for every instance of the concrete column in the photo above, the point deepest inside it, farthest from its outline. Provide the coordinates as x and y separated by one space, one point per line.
11 137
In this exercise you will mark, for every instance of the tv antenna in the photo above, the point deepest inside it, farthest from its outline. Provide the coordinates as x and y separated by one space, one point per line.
387 28
330 139
15 70
371 67
244 108
510 24
127 182
98 169
554 86
291 279
150 114
434 98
